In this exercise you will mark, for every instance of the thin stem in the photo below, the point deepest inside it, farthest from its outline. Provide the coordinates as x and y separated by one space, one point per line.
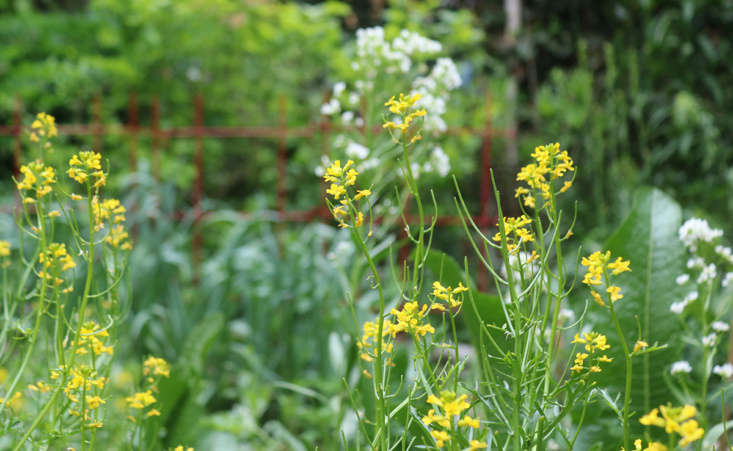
39 313
379 364
627 388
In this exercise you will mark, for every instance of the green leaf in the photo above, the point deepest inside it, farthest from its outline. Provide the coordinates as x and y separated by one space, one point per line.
648 239
714 434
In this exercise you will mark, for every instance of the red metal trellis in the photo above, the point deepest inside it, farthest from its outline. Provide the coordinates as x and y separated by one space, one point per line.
280 132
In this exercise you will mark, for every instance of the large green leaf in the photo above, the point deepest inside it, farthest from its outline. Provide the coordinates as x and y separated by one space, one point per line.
648 238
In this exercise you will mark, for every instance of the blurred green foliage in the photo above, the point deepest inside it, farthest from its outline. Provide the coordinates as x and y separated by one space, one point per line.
637 91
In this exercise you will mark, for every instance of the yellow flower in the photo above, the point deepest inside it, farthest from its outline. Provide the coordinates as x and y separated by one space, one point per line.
156 366
368 339
86 165
514 229
615 293
409 319
180 448
640 345
140 400
441 437
403 108
4 248
447 294
619 266
597 298
690 432
470 422
362 193
475 444
153 413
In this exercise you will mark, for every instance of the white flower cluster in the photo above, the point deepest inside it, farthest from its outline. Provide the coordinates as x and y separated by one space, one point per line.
682 279
725 253
411 43
434 90
725 370
727 279
683 366
707 274
679 307
709 340
375 54
720 326
695 230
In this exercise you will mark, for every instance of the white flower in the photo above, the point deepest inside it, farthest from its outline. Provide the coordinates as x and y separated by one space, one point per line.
725 370
709 340
446 73
356 150
724 252
678 307
566 315
682 279
727 279
411 43
331 107
683 366
695 230
321 169
367 164
440 161
695 262
347 117
708 273
720 326
691 297
353 99
338 88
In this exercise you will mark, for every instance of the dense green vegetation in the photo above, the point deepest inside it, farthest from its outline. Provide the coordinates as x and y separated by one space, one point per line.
260 319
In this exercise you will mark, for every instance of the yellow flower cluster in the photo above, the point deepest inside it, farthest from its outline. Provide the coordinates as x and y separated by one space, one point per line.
550 164
410 320
43 126
152 367
447 408
447 295
37 177
653 446
155 366
515 230
369 339
113 211
675 420
180 448
406 114
85 166
40 387
593 342
4 253
55 260
340 179
89 340
83 390
15 401
598 265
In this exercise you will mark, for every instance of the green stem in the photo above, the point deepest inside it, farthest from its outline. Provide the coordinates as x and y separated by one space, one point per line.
85 298
379 364
627 389
517 361
39 313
